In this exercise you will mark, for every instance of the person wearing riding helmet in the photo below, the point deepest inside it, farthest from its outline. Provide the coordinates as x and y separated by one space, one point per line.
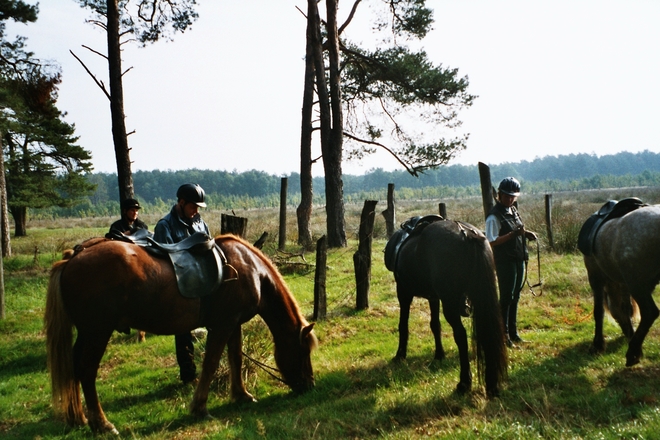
129 221
181 222
507 236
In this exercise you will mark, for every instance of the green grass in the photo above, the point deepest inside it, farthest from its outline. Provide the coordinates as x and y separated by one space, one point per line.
556 388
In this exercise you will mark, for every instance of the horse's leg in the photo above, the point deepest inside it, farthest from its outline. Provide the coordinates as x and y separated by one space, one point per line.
453 317
621 308
235 359
87 353
434 305
405 301
215 345
649 313
597 286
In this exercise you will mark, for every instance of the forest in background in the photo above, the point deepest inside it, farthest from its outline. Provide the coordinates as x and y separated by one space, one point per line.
227 190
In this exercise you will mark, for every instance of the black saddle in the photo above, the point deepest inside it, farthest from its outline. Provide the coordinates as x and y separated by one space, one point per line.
611 209
412 225
198 262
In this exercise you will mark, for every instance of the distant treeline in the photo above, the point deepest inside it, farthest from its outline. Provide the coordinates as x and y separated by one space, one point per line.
251 189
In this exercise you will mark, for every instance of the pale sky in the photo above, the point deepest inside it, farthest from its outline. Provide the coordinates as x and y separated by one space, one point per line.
553 77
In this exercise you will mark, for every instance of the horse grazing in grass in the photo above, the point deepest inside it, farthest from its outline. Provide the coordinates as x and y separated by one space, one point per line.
113 285
624 269
448 261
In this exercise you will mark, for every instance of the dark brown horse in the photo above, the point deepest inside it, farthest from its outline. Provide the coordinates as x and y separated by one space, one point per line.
448 261
624 269
112 285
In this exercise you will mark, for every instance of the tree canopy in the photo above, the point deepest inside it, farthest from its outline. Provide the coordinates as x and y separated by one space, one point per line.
43 165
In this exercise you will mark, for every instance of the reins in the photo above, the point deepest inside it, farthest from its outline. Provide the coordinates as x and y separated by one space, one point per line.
267 368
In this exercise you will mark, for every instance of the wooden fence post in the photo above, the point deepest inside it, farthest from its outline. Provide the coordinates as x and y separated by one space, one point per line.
231 224
319 279
283 190
442 210
362 258
389 213
548 219
486 188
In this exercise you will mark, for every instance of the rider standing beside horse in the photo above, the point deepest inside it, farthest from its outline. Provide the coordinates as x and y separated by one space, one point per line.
507 236
183 221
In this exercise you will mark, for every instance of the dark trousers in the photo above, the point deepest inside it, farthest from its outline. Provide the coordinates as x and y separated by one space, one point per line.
510 279
185 351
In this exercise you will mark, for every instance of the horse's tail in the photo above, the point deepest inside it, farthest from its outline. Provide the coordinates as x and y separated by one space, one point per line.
487 327
59 340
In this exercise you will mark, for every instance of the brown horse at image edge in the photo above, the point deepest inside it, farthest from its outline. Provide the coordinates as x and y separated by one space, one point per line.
113 285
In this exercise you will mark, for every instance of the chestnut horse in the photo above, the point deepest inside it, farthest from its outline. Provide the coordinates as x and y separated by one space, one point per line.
113 285
448 261
624 269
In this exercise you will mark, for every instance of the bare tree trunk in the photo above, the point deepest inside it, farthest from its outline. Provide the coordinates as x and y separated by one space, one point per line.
4 210
304 210
119 136
332 152
20 221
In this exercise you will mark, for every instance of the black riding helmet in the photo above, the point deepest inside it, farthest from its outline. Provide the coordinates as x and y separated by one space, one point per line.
510 186
193 193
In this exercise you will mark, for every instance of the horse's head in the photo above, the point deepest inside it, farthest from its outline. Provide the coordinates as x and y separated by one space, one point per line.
294 360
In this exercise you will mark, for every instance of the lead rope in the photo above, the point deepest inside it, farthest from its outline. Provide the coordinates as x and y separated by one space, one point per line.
538 261
267 368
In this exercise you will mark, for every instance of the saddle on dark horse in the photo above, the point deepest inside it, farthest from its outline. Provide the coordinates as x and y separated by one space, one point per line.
197 260
611 209
393 245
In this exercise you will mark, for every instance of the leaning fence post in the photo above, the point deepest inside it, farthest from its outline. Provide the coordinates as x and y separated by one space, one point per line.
319 279
486 188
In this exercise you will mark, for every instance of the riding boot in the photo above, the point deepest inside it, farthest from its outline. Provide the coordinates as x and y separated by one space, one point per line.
505 320
513 323
185 351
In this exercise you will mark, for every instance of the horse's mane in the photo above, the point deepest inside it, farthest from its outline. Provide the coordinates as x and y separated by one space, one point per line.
276 278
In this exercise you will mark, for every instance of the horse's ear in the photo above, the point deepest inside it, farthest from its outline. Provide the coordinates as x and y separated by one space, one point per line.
307 330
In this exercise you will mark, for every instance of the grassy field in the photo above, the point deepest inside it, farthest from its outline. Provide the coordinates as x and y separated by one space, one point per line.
556 389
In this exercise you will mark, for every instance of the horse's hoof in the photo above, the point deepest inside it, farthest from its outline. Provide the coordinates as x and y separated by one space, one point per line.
462 388
632 360
596 350
398 358
493 394
245 398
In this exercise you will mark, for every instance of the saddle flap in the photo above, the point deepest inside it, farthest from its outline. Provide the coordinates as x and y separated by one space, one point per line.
197 273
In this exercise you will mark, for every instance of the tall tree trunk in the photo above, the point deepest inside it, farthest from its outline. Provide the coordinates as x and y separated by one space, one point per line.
4 210
332 153
304 210
119 136
20 221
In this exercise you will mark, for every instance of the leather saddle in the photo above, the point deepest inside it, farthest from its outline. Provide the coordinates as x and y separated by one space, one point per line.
410 226
197 260
611 209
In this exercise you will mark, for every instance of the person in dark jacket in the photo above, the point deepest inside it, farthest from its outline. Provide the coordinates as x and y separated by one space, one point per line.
181 222
507 236
129 221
